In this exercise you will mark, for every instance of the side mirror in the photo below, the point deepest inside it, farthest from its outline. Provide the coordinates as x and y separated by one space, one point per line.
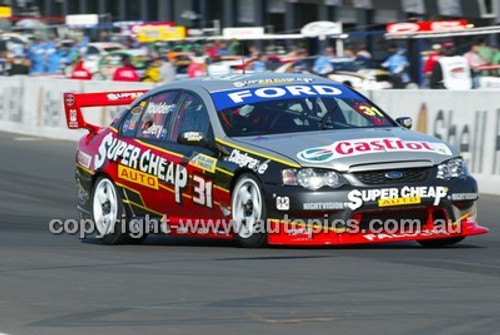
405 122
193 138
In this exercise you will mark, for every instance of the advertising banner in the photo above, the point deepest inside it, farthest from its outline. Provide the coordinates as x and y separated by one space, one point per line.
470 120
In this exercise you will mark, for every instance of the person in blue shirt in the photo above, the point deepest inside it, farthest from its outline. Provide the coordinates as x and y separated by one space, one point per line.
36 55
52 58
397 64
322 65
260 65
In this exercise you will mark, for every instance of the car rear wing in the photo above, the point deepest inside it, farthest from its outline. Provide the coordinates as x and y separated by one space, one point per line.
74 102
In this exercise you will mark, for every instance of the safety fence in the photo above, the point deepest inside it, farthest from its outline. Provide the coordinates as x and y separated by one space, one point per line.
468 119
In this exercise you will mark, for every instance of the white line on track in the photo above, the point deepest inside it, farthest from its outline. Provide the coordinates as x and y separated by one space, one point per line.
23 139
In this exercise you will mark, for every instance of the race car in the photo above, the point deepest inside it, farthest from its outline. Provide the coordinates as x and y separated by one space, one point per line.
278 159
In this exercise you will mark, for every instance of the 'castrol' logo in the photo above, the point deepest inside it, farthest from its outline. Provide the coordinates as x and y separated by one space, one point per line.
357 147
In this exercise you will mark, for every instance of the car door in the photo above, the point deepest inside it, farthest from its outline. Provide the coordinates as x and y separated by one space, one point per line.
152 176
204 201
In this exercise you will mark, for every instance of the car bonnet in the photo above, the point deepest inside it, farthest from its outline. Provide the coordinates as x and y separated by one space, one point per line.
356 149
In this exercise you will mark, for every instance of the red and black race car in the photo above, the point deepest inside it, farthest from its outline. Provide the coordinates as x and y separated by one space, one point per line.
268 158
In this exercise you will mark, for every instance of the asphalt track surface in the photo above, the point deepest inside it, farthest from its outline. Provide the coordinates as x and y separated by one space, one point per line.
62 285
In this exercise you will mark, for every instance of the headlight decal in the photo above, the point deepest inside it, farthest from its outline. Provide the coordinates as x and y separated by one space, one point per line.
312 179
454 168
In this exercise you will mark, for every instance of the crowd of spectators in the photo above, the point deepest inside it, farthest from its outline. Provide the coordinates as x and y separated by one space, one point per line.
66 58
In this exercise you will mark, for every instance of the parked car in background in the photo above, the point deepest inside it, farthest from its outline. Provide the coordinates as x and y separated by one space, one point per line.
344 70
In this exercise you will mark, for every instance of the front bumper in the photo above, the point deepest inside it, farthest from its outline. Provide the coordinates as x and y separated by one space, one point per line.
438 209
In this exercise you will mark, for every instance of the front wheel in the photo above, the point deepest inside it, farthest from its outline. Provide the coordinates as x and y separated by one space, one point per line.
440 242
248 212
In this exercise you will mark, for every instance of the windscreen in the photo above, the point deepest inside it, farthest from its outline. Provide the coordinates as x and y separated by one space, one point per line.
295 108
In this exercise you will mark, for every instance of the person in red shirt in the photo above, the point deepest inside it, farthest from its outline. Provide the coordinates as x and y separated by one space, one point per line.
432 59
80 72
196 68
126 72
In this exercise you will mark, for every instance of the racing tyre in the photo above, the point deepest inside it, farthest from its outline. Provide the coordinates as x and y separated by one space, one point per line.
440 242
108 212
248 212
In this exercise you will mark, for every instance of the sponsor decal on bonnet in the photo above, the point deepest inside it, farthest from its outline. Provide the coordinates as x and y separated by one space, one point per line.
244 160
356 147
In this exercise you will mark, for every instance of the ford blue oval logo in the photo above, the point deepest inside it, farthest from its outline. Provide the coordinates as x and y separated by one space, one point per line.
394 175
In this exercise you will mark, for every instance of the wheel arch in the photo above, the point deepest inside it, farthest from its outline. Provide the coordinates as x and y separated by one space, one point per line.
238 173
120 190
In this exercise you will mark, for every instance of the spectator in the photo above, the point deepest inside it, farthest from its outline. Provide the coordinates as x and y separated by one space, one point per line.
212 50
432 59
54 58
80 72
235 48
196 68
397 65
431 62
167 71
3 46
36 55
253 52
260 65
496 58
475 61
152 71
364 56
323 65
126 72
486 52
223 49
349 53
19 66
450 71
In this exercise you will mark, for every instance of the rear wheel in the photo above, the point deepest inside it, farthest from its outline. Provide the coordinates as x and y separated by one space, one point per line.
249 212
108 214
440 242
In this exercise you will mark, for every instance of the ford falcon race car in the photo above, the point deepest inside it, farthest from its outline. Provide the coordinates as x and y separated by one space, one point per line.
267 159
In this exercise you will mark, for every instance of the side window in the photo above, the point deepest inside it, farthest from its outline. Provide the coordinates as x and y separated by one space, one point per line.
150 119
192 116
351 116
130 121
157 116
